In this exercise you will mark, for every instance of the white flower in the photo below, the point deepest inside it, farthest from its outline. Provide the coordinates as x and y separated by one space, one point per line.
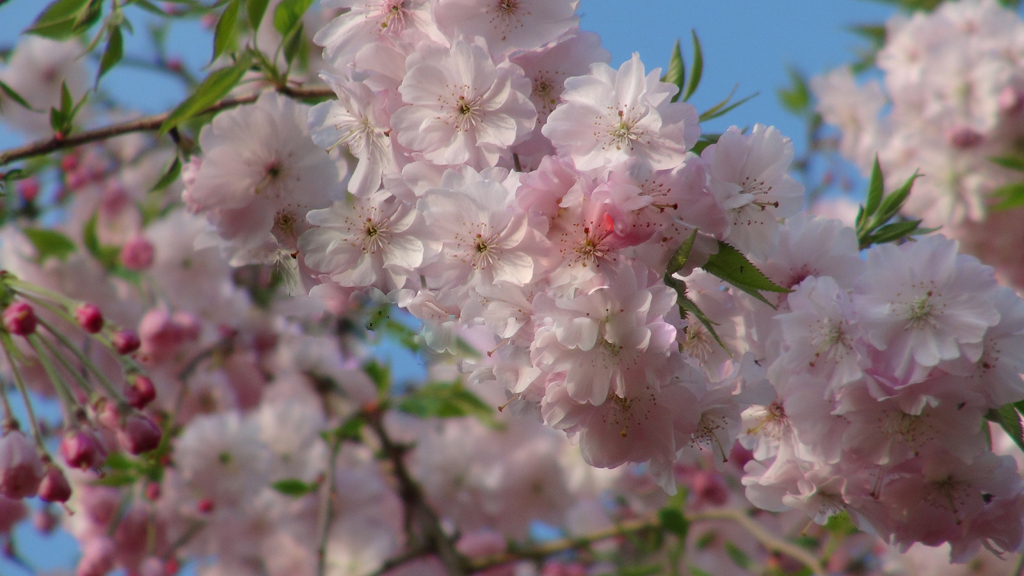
364 242
608 116
221 457
507 25
461 107
358 121
749 179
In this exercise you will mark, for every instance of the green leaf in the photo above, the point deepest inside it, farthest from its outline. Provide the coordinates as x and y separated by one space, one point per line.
150 7
212 89
698 67
13 95
679 259
288 14
895 231
58 19
107 256
876 188
892 203
170 175
694 571
676 73
840 524
50 243
731 265
648 570
796 98
116 479
255 10
445 400
294 487
1010 162
705 141
293 42
224 35
1009 420
687 305
1012 195
875 33
738 556
379 373
717 111
118 461
673 520
112 53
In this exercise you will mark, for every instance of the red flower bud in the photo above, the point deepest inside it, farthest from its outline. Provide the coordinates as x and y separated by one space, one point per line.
21 468
20 319
82 449
137 254
126 341
139 434
140 392
54 487
89 318
205 506
153 491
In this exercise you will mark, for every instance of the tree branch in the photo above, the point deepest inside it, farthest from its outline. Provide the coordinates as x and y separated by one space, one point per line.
420 513
146 124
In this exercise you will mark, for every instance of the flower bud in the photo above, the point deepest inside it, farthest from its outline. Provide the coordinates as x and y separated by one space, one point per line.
153 491
54 487
140 392
126 341
139 434
45 521
97 557
107 413
21 468
20 319
137 254
28 189
964 137
89 318
82 449
205 505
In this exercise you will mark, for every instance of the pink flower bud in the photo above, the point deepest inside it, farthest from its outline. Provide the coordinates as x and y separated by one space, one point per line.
126 341
54 487
153 566
153 491
97 557
1010 100
69 162
21 468
11 512
83 449
89 318
29 189
205 506
107 413
20 319
137 254
964 137
139 434
140 392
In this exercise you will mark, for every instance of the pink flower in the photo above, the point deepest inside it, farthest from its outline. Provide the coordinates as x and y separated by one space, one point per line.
461 108
21 468
608 116
507 25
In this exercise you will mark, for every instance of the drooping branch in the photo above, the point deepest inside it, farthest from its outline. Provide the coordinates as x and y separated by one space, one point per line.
146 124
547 549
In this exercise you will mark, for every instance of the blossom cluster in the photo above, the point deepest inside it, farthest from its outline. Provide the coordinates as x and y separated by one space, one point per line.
643 304
949 107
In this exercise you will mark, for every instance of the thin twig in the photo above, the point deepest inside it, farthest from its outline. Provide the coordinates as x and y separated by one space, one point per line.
768 540
327 509
146 124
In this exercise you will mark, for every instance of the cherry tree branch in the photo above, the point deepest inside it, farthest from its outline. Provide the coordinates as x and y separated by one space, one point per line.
146 124
539 552
418 511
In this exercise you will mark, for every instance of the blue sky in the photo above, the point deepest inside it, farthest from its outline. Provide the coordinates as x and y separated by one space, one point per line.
746 42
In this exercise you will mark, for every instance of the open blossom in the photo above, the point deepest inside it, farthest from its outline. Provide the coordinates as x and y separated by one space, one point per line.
461 107
366 22
923 303
484 236
610 115
260 173
749 179
364 242
357 121
609 340
507 25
